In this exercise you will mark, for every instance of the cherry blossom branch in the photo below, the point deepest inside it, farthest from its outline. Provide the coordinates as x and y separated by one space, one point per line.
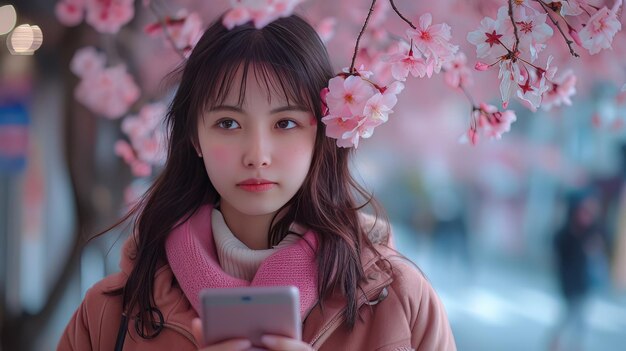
393 5
468 96
166 33
514 26
558 26
358 39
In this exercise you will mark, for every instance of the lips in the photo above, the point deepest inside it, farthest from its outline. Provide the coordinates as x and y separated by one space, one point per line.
256 185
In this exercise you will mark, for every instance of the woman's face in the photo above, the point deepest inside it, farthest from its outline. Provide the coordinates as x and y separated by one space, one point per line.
256 155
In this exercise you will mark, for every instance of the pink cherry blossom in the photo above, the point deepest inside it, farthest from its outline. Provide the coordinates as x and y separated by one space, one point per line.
260 12
457 73
323 95
433 41
571 7
348 96
147 134
531 94
87 61
492 122
326 28
108 16
272 10
150 118
601 28
343 129
535 85
184 30
394 88
137 167
404 63
109 92
493 37
481 66
236 17
575 37
70 12
533 32
125 151
152 150
379 106
522 5
502 124
376 61
470 136
356 106
562 89
147 139
360 70
377 109
510 77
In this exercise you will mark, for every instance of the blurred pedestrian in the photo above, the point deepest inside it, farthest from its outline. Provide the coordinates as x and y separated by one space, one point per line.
579 239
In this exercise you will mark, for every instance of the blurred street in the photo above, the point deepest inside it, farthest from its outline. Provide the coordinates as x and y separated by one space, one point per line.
506 304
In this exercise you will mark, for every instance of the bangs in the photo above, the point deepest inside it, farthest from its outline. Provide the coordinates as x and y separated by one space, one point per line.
278 81
278 66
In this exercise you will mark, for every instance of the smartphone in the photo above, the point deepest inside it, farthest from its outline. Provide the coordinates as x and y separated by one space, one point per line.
249 313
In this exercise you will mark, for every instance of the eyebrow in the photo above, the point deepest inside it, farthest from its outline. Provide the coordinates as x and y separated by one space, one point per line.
276 110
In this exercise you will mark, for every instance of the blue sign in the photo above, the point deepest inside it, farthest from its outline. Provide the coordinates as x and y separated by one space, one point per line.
13 137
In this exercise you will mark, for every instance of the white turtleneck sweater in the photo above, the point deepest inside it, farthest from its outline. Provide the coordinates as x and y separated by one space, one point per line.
235 257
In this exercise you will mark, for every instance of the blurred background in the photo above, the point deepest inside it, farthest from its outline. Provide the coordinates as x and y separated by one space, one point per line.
524 238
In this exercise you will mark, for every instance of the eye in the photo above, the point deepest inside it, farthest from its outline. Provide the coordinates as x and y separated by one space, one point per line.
227 124
286 124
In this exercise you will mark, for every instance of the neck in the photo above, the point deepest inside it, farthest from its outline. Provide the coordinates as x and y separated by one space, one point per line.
252 230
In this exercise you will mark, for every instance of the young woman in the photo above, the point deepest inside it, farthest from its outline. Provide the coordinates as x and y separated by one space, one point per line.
254 193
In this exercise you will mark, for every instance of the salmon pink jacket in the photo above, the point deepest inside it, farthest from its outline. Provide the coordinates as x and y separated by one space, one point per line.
398 310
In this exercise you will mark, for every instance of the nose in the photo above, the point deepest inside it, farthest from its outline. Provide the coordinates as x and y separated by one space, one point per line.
257 151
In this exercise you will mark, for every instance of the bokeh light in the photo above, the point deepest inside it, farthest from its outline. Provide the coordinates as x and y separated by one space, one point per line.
24 40
37 38
8 17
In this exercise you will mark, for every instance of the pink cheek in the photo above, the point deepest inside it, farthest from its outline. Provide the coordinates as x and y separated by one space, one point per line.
312 121
219 154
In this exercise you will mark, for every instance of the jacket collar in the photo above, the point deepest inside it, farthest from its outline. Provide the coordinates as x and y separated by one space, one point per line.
320 324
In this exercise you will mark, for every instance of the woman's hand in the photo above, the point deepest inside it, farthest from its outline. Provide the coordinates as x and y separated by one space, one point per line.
271 342
230 345
275 343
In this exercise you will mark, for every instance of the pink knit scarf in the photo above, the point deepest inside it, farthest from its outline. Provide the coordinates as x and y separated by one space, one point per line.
193 258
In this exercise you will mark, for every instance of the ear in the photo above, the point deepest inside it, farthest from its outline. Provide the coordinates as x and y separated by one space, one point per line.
196 147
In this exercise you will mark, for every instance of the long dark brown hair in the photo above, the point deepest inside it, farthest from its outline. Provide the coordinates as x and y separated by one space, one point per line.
287 56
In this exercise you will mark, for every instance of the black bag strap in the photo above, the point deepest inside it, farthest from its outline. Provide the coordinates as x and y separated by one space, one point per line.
121 334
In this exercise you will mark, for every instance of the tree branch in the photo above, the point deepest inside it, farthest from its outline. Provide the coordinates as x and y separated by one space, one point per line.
358 39
166 32
401 16
558 26
516 46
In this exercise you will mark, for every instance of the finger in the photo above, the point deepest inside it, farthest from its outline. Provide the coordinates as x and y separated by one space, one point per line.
274 342
231 345
196 330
